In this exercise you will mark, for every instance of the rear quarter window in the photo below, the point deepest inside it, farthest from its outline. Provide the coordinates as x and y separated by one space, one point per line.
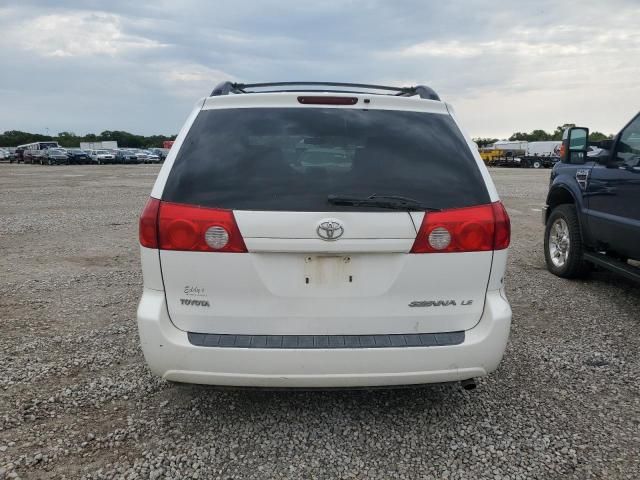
292 159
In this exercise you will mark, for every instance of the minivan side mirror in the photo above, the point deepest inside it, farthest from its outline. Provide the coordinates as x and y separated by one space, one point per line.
575 142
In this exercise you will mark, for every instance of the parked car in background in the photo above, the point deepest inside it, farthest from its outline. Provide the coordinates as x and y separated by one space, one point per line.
19 151
28 156
372 256
4 154
38 157
78 156
102 156
592 213
161 152
34 152
56 156
593 151
141 155
150 157
126 156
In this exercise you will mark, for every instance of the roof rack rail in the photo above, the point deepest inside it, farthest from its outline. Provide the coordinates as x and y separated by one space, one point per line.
226 88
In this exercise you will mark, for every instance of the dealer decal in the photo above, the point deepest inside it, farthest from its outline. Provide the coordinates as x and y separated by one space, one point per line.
200 294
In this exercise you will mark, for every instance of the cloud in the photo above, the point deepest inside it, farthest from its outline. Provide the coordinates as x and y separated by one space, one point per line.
96 65
76 34
189 80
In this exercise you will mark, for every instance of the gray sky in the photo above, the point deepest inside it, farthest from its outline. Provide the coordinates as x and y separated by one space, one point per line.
88 66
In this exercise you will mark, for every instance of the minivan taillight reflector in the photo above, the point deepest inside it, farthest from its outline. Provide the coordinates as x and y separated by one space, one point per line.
472 229
197 229
148 226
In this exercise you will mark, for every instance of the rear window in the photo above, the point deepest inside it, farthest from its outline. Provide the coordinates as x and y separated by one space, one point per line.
293 158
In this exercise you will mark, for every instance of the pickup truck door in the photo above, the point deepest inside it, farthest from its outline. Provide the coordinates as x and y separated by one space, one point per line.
613 196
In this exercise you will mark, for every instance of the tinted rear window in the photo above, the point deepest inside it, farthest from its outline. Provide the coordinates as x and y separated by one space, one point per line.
293 158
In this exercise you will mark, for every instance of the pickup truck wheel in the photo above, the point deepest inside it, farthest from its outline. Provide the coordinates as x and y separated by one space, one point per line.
563 246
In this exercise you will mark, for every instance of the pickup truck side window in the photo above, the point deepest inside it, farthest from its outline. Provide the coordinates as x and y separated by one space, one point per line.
628 148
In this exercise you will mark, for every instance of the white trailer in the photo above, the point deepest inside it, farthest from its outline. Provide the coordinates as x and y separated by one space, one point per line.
544 149
510 145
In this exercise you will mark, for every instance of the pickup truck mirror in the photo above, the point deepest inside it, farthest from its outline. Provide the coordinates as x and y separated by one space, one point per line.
575 142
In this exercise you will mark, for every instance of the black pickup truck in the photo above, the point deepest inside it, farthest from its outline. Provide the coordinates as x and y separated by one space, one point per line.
592 213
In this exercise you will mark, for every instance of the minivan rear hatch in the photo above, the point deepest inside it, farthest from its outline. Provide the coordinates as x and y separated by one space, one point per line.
311 265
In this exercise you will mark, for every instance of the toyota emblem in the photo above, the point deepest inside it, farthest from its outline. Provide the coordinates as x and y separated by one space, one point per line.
330 230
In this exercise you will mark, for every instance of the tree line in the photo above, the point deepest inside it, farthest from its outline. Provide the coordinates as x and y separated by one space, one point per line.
13 138
541 136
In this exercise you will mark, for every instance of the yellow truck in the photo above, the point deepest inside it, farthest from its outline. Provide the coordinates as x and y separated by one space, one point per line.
490 154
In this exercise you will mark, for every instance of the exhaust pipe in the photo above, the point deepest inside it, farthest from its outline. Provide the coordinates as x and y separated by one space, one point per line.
468 384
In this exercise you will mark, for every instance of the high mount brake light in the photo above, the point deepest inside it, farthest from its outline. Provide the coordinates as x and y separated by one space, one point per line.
472 229
173 226
322 100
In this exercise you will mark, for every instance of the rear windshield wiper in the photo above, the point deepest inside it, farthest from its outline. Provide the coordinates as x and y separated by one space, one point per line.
393 202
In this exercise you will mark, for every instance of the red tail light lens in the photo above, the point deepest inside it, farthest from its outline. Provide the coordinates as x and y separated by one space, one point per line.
191 228
148 225
473 229
502 237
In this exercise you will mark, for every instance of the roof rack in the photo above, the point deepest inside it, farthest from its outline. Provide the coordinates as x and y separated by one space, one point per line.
226 88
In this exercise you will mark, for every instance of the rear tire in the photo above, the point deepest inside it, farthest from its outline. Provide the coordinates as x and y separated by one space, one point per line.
563 245
536 164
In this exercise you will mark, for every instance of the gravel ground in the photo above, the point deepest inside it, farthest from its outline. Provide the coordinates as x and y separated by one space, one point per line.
76 400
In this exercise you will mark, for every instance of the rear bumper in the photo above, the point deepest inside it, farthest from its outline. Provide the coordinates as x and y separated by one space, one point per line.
171 355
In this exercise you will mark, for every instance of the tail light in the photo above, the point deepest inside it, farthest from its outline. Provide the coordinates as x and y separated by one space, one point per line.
502 234
472 229
191 228
148 229
173 226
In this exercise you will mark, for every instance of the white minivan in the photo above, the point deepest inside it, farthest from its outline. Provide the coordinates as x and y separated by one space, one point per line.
323 235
